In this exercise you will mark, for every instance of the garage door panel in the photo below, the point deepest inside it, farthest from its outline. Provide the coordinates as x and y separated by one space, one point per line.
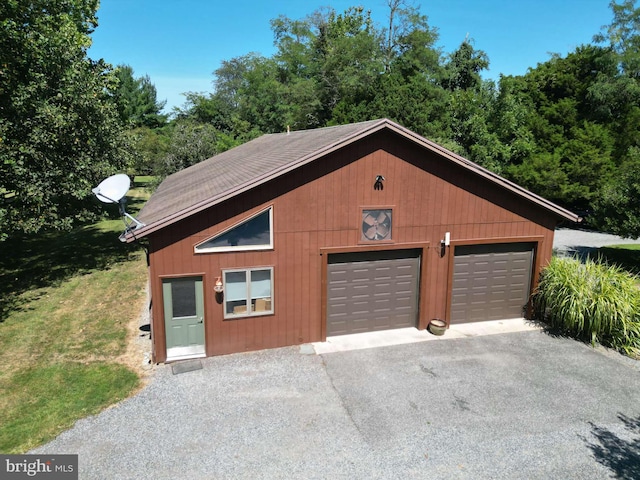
490 282
377 290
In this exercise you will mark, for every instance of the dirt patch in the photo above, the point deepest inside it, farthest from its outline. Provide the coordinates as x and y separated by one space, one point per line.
137 355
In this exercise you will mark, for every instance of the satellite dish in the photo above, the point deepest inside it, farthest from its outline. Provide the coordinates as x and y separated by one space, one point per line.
113 189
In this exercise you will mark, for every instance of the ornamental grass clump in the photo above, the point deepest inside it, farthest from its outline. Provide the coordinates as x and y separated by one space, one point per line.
592 301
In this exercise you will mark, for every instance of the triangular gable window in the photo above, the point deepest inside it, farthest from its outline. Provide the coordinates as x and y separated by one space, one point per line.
255 233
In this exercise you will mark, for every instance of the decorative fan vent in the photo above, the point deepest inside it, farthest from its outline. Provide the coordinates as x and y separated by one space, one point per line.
376 225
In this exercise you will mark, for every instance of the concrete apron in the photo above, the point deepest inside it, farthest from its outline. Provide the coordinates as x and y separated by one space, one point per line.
401 336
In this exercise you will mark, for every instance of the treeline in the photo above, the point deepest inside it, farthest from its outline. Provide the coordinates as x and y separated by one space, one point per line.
568 130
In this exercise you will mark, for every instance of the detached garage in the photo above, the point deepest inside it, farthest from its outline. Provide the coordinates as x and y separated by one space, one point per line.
294 237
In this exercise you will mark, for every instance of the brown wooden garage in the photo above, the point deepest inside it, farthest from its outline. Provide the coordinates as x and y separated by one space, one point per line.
293 237
491 281
371 291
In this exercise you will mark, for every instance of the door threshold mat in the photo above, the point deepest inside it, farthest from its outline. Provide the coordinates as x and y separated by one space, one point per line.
307 349
186 366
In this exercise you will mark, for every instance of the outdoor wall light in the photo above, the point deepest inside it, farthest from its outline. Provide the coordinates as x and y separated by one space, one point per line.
218 287
444 243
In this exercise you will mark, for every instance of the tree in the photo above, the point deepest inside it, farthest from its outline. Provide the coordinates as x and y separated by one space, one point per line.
575 133
249 95
209 108
347 56
59 131
509 118
325 60
462 71
472 103
190 143
623 35
151 146
136 100
411 43
397 8
296 69
138 108
616 95
408 90
617 210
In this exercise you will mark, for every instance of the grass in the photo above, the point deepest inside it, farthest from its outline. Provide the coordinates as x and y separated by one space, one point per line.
591 300
69 306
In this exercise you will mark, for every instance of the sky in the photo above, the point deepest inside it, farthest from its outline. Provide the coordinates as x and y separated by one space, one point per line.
179 43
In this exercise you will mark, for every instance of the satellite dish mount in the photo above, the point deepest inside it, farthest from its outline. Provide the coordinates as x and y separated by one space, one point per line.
113 190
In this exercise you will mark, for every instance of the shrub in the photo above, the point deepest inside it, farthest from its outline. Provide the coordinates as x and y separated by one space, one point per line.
592 301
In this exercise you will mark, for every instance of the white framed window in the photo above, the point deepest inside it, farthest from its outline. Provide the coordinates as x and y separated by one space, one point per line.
248 292
253 233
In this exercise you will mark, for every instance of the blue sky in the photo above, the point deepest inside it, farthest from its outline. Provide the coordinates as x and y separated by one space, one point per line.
179 43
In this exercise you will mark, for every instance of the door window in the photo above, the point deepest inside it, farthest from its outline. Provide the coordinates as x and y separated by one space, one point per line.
183 293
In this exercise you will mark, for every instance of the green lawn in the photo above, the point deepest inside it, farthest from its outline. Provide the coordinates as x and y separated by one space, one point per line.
69 304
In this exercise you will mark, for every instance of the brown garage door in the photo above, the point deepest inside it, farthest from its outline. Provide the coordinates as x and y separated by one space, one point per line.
371 291
491 282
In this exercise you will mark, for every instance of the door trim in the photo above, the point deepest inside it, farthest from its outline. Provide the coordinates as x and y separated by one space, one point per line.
190 351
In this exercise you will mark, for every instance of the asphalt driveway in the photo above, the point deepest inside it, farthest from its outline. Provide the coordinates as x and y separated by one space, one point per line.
515 405
567 241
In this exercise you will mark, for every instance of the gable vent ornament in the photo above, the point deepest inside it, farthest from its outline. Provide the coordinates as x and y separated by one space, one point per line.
378 185
113 190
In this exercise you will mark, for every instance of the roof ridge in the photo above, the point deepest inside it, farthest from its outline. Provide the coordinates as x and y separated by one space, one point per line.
327 127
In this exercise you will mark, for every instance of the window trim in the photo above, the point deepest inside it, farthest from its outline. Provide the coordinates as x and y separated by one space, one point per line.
250 313
240 248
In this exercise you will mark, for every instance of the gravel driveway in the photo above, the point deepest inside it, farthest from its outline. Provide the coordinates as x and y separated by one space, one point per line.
519 406
522 405
567 240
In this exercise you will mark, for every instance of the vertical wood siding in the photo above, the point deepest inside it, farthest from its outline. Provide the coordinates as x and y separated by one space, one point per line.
318 206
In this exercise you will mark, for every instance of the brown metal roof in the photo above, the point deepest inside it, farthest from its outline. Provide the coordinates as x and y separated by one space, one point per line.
237 170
